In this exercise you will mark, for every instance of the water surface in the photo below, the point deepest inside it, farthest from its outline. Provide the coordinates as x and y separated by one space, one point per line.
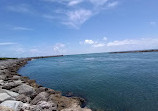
113 82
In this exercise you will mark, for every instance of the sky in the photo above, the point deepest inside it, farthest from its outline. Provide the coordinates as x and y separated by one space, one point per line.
53 27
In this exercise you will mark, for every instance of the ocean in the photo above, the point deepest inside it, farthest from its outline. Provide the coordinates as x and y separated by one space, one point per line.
108 82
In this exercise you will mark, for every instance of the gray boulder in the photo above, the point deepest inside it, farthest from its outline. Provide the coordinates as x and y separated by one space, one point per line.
15 77
2 72
2 77
10 85
4 96
40 89
1 83
15 105
24 89
43 96
10 93
7 95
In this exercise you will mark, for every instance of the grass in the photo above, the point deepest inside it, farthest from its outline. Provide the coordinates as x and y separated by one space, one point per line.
4 58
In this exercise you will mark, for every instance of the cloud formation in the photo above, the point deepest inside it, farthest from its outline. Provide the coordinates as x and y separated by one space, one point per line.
135 43
123 42
112 4
89 42
7 43
74 13
95 43
77 17
74 2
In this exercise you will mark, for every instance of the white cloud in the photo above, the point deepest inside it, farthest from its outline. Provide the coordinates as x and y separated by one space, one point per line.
112 4
89 42
94 43
74 2
98 45
77 17
123 42
7 43
22 28
136 42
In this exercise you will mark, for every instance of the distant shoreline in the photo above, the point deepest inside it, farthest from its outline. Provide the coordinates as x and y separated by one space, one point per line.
135 51
38 57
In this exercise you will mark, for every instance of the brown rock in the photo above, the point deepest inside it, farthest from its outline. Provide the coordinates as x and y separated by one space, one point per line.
3 108
23 98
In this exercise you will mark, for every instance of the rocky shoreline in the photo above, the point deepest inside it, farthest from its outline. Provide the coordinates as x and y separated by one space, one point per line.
136 51
19 93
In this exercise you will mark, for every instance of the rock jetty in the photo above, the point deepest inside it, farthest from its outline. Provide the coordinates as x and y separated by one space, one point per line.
19 93
136 51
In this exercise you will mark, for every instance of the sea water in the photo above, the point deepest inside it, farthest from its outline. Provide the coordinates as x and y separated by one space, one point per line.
109 82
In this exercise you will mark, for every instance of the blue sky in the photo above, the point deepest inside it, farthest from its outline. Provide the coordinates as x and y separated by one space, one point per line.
50 27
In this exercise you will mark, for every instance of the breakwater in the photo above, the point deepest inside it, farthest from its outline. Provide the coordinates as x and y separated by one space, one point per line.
19 93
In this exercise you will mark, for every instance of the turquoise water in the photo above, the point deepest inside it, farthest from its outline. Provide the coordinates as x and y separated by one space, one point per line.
113 82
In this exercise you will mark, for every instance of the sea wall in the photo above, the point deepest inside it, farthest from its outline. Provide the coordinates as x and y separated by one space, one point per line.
19 93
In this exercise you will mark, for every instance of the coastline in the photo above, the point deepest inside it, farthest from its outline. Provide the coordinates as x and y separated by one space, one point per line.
135 51
19 93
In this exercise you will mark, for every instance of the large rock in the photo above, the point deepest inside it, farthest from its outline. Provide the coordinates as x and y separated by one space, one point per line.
4 96
24 89
43 96
1 83
3 108
2 67
15 105
15 77
10 93
32 83
18 82
45 106
11 85
2 77
40 89
28 107
23 98
2 72
62 101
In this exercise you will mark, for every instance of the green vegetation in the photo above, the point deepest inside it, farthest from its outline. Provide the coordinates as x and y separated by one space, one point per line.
4 58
